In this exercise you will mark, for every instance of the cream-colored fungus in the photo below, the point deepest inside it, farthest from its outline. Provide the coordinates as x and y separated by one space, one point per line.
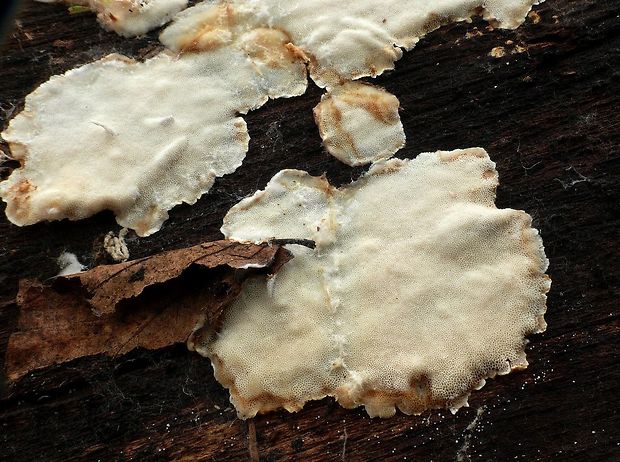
359 123
135 138
341 41
130 17
212 26
139 138
347 39
418 290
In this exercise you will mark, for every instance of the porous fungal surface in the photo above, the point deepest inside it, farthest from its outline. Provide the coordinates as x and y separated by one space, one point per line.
135 138
418 289
349 39
210 27
359 123
130 17
146 136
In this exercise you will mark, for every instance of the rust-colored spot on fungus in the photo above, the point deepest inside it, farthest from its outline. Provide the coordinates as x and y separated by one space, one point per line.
488 174
215 30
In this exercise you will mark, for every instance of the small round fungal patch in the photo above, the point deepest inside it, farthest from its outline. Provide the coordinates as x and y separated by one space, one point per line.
359 123
418 289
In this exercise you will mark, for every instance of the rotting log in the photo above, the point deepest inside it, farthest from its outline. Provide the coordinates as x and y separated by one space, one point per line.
548 116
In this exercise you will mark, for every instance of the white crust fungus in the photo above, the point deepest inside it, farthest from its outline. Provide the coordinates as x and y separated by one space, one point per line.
418 290
359 123
212 26
139 138
349 39
69 264
145 137
130 18
135 138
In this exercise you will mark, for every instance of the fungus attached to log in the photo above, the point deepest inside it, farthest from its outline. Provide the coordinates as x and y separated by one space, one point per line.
143 138
418 289
359 123
147 136
348 39
128 17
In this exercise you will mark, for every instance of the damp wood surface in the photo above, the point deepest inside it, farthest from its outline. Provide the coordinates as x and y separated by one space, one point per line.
543 100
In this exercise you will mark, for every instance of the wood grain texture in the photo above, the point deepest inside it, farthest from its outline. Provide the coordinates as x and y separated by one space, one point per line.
548 116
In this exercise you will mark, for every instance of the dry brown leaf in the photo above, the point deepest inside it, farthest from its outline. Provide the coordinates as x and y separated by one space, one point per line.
150 303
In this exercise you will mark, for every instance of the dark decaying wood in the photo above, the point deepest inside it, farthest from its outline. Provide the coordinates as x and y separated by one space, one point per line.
549 116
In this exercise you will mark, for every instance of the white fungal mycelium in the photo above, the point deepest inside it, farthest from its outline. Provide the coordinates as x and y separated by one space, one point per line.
68 263
418 289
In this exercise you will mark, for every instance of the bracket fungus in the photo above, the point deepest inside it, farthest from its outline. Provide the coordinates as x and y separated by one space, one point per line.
359 123
129 18
418 289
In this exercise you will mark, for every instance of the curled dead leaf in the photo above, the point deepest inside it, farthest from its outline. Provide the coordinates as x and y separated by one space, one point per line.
150 303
